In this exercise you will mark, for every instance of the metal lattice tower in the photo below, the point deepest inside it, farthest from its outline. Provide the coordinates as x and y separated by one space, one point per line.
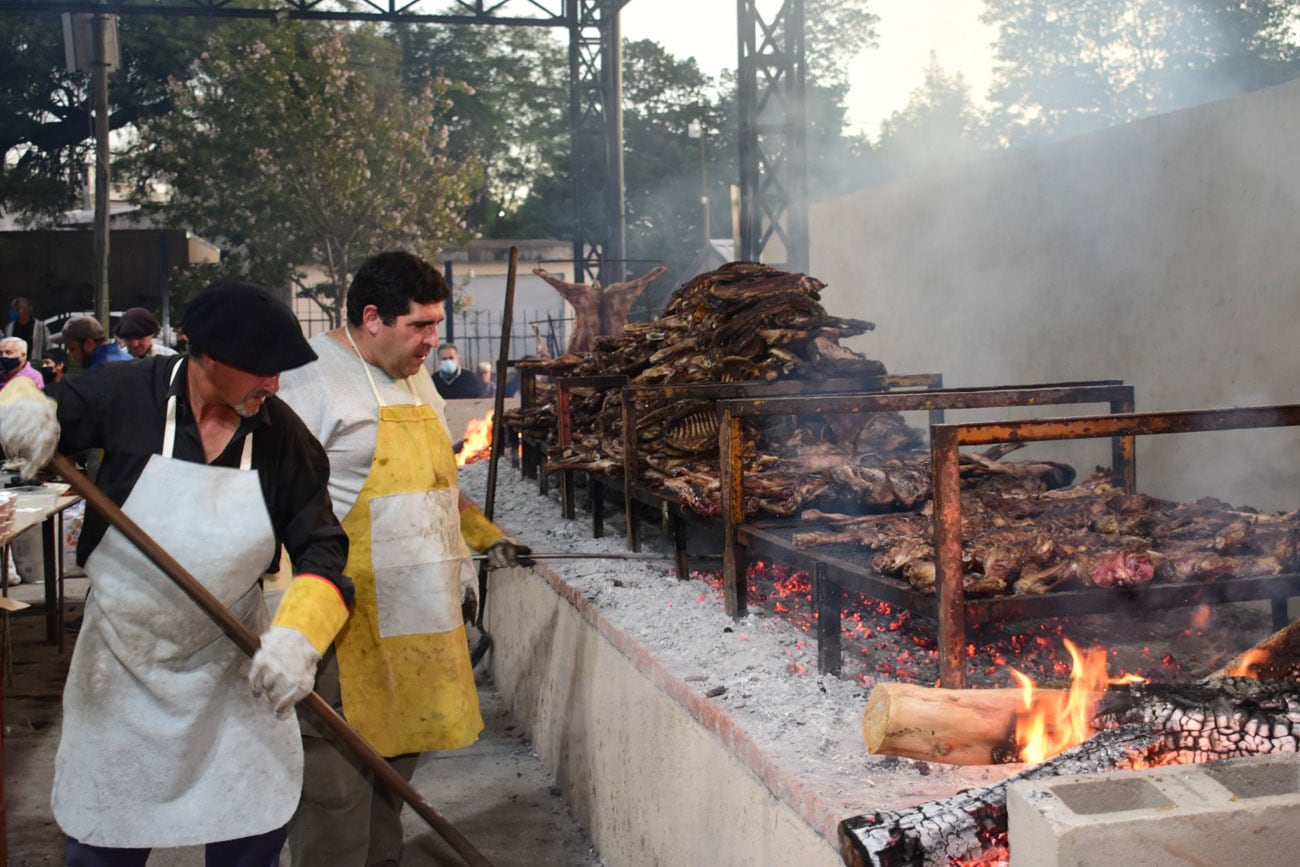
596 119
773 133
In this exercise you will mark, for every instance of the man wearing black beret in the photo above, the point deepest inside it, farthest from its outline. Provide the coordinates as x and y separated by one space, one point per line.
171 736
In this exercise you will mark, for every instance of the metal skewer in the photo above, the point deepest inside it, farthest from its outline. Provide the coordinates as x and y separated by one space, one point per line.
597 555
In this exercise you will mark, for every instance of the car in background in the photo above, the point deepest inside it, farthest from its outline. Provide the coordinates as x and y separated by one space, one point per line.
55 323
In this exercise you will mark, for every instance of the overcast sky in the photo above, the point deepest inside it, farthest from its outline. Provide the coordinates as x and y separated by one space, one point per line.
882 78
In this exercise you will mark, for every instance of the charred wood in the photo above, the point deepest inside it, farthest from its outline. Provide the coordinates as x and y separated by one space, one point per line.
1146 725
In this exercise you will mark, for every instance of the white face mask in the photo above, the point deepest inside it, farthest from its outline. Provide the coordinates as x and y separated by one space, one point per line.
448 366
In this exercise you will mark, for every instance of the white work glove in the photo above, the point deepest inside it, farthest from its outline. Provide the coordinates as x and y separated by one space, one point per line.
284 668
29 429
505 553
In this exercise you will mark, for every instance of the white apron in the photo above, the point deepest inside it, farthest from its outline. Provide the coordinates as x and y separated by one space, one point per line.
164 743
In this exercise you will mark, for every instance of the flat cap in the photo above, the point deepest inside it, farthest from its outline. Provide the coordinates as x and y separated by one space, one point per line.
245 326
82 328
137 322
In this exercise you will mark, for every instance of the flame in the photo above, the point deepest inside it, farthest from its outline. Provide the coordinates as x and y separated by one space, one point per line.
1248 663
1052 722
477 445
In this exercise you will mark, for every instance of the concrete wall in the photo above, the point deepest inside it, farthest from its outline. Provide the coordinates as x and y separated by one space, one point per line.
656 775
1165 252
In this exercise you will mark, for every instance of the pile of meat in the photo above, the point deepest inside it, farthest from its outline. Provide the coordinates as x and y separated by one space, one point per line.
863 480
744 323
1086 535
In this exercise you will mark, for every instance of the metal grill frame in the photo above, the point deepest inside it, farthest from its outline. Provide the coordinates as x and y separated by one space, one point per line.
945 442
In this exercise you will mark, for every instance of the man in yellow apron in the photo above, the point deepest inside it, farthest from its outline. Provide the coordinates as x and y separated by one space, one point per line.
399 670
164 741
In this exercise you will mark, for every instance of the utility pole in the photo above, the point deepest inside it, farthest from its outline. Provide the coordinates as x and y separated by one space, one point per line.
99 85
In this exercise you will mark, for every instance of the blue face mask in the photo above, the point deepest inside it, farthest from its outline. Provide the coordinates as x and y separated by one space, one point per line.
13 315
448 366
9 364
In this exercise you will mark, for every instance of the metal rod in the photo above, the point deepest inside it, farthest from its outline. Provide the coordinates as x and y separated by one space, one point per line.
499 401
597 555
246 641
497 445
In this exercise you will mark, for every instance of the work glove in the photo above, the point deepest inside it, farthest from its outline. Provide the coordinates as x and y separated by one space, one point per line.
29 429
284 668
505 553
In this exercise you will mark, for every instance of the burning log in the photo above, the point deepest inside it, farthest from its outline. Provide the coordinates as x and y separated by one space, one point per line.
1274 658
1149 725
953 726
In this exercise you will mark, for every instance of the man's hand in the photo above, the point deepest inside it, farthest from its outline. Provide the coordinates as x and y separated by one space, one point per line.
29 429
506 553
284 668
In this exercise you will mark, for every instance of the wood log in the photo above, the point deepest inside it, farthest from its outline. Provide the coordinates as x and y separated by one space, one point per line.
952 726
1149 725
1277 657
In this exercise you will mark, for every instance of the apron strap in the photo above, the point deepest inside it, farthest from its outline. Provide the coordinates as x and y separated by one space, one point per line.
365 365
169 427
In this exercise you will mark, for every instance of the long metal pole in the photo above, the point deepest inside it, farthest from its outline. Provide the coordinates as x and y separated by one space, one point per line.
99 86
246 641
499 403
496 446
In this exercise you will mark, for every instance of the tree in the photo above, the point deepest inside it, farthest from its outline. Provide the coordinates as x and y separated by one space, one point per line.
938 126
294 143
1064 68
46 133
511 115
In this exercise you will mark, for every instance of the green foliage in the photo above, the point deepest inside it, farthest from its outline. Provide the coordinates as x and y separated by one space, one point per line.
46 134
511 115
1064 68
939 126
295 143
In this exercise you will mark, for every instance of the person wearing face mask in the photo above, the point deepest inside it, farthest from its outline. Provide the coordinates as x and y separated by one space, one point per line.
13 363
451 380
54 364
21 324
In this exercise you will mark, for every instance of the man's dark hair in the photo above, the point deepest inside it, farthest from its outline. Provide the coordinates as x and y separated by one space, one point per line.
392 281
58 356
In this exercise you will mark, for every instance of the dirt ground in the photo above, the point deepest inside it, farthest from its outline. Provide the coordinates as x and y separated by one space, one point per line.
496 792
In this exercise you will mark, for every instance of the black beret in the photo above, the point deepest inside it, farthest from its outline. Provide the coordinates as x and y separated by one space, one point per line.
245 326
137 322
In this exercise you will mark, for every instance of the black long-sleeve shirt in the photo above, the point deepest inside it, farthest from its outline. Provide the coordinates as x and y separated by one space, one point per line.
121 408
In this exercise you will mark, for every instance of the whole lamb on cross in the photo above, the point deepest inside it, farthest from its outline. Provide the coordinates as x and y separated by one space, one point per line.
599 310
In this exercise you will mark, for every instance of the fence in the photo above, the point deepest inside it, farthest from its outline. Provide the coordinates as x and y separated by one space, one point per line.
477 334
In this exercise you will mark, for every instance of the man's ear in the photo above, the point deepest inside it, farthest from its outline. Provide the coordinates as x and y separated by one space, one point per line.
371 321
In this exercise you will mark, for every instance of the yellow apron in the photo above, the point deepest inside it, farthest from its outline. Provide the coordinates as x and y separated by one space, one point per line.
404 667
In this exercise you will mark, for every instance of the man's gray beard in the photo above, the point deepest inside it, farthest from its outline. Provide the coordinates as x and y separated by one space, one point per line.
245 413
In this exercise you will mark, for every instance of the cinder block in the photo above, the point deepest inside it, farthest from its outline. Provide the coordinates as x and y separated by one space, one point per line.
1240 811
